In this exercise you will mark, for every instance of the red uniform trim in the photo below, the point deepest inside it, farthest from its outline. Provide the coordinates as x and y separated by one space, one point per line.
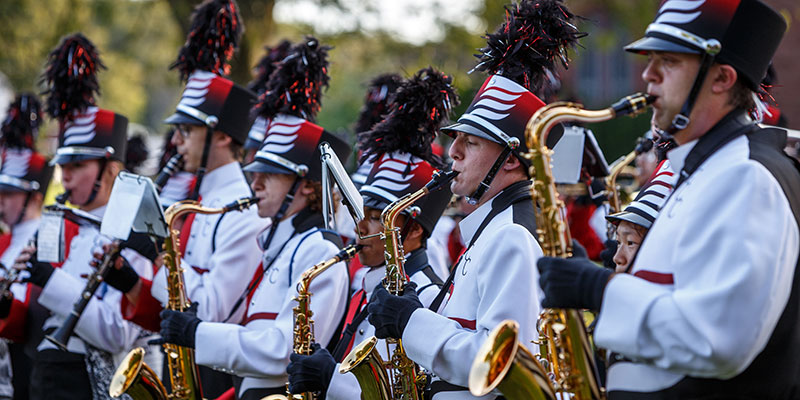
259 315
655 277
465 323
145 312
229 394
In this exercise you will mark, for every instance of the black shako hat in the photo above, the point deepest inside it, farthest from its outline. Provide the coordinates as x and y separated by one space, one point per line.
291 146
216 102
748 32
86 132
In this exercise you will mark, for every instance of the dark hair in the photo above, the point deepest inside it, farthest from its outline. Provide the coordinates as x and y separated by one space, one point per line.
741 96
315 198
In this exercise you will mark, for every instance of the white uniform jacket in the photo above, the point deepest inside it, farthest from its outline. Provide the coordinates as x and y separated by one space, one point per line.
259 348
221 252
495 279
101 325
345 386
711 279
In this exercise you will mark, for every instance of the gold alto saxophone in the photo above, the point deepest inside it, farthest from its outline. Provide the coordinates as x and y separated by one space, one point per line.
612 190
566 353
303 324
133 376
398 378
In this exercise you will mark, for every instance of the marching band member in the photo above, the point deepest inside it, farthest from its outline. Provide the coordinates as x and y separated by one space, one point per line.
399 150
287 177
24 178
91 152
501 247
212 122
633 223
715 257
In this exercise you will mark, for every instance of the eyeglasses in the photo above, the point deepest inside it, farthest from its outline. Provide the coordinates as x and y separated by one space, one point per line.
184 129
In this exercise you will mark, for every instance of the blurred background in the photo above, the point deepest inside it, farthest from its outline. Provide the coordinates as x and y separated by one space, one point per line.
139 39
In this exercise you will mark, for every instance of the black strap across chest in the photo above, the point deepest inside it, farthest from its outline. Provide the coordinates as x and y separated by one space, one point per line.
515 193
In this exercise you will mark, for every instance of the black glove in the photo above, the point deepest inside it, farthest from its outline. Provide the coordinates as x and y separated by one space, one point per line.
178 327
607 255
142 244
5 304
389 314
311 373
578 251
572 282
40 272
123 279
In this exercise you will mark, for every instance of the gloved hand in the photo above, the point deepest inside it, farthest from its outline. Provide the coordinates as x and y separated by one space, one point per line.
578 251
142 244
5 304
572 282
178 327
389 314
40 272
607 255
121 275
311 373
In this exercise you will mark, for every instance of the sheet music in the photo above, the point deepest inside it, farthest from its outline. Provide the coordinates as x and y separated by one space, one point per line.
50 239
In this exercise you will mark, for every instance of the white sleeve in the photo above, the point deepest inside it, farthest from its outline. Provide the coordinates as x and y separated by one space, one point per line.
732 280
505 290
250 351
101 323
230 267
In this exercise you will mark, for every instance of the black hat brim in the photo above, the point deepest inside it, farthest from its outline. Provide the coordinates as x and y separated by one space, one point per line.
627 216
469 130
11 188
651 43
267 167
61 159
181 118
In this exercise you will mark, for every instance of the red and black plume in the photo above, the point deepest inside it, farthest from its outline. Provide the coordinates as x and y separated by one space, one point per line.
535 35
376 103
295 87
417 110
21 126
267 65
213 38
70 77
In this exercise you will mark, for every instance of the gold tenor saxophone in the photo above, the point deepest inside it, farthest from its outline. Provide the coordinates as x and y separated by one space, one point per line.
612 191
303 324
133 376
566 353
398 378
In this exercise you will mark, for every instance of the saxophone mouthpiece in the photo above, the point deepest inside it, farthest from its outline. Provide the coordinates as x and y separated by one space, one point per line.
241 204
440 179
633 104
63 197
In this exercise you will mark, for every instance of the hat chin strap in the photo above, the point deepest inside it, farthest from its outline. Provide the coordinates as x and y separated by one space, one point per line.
282 211
487 180
95 187
201 171
681 121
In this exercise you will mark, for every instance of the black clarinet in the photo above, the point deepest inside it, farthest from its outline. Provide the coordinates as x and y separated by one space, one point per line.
173 165
61 336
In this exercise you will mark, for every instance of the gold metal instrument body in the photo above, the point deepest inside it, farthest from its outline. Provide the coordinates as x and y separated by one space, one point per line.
566 353
303 338
183 373
399 377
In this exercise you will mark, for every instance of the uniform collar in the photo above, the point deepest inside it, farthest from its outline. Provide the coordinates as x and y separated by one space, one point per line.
473 223
677 156
416 261
302 221
25 227
222 178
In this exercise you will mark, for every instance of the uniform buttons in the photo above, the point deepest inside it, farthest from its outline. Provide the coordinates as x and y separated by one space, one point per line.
360 331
